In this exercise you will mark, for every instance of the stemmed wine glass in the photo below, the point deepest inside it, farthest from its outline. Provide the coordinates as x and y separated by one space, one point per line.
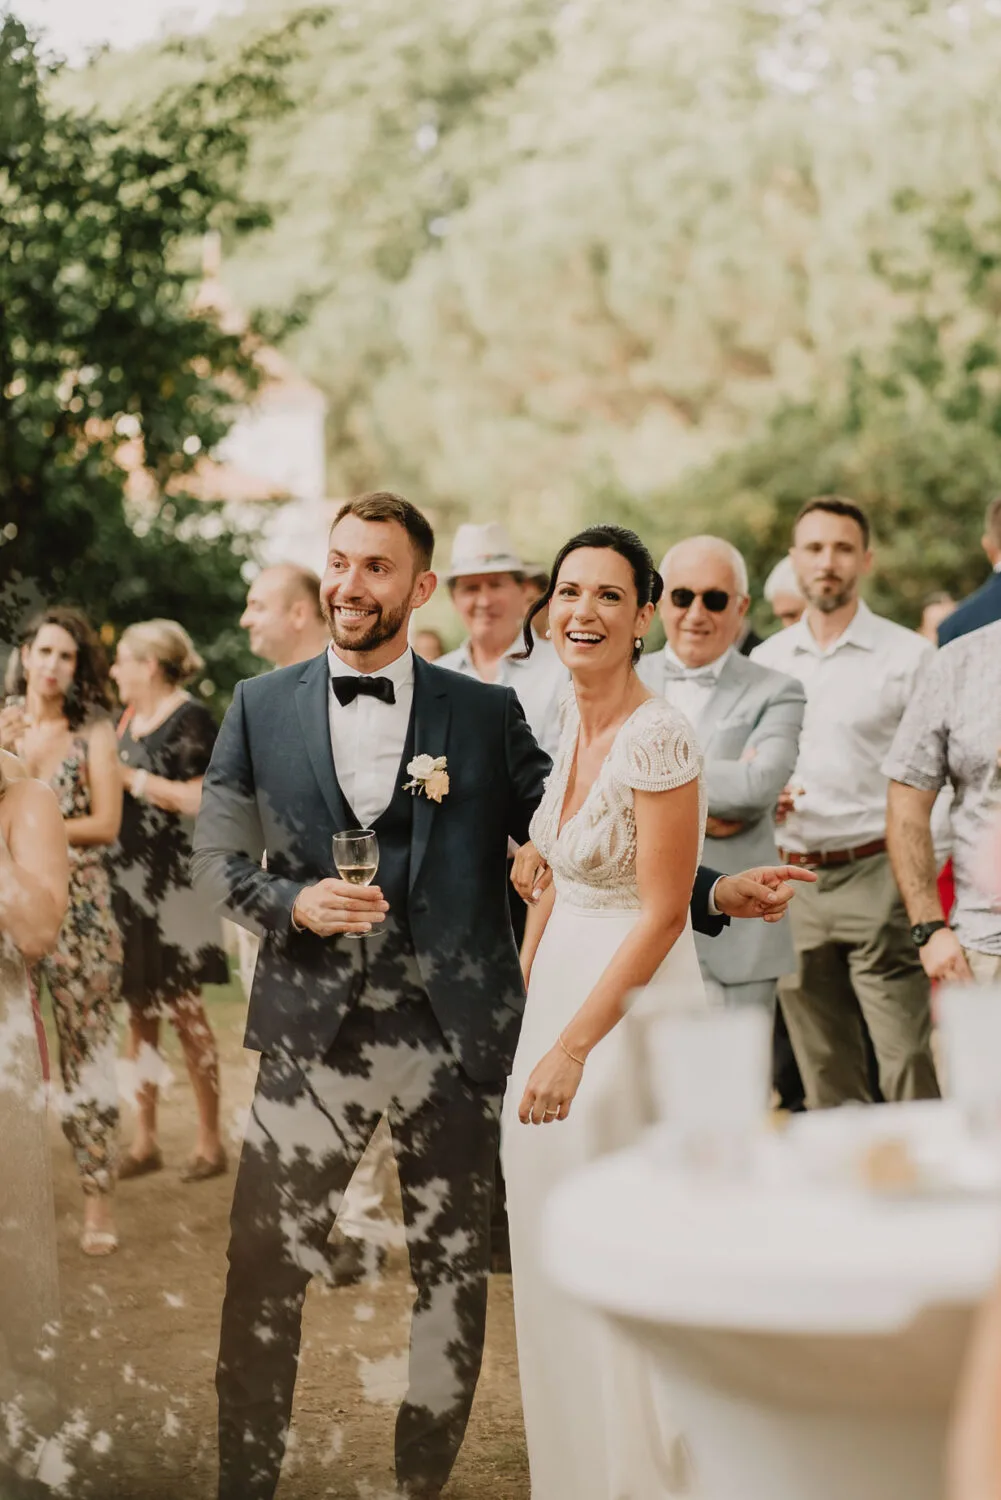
356 856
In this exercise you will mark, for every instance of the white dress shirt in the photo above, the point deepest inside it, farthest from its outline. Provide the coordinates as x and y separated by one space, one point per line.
367 737
691 691
537 682
856 694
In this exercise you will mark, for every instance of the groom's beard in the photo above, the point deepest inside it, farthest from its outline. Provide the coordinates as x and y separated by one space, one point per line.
383 626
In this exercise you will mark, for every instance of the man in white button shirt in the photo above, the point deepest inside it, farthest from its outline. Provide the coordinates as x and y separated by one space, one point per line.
747 720
486 579
856 957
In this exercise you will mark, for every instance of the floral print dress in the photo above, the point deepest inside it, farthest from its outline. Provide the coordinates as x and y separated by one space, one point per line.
172 940
83 973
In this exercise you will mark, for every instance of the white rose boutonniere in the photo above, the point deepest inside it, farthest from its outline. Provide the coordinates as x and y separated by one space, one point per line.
428 775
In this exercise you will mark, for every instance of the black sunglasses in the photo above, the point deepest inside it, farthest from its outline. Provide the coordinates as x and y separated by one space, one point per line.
715 600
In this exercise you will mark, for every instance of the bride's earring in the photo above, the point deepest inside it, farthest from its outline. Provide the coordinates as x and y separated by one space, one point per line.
638 643
549 635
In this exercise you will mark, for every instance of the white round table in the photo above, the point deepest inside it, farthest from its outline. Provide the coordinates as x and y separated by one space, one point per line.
806 1339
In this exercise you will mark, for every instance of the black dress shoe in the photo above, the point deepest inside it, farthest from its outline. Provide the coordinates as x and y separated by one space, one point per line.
350 1261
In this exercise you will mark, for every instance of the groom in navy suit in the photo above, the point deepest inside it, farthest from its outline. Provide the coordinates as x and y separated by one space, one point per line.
419 1021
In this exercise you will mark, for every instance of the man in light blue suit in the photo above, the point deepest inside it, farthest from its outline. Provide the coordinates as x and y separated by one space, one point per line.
747 719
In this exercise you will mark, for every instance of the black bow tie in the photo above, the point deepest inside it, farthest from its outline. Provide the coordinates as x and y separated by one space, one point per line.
346 689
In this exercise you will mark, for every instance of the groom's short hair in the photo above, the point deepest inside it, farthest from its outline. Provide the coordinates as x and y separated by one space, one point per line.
384 505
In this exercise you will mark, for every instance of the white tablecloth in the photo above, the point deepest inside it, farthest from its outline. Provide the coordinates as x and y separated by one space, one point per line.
806 1336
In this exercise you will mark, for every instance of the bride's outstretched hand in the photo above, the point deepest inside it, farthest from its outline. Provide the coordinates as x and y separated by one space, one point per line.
550 1089
530 875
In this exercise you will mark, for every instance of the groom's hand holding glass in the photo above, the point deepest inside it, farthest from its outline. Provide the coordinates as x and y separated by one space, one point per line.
336 906
352 905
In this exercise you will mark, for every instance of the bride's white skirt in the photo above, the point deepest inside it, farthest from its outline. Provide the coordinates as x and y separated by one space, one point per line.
589 1408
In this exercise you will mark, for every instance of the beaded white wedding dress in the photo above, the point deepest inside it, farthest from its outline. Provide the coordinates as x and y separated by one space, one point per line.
589 1407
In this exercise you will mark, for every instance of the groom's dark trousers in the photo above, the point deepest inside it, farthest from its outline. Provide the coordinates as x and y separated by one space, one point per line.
419 1023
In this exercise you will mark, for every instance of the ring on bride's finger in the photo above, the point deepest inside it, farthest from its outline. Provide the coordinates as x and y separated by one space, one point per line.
547 1112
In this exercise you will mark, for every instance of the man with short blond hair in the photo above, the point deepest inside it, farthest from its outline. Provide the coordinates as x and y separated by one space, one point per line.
783 593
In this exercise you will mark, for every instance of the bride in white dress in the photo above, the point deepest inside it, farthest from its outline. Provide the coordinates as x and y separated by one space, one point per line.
620 825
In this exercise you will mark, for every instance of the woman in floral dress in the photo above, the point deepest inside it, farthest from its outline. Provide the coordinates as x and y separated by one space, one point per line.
58 722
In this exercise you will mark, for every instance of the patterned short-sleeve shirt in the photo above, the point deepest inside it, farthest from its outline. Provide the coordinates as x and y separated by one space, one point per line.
951 732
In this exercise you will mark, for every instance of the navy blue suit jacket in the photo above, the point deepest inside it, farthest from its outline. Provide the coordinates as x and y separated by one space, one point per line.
981 608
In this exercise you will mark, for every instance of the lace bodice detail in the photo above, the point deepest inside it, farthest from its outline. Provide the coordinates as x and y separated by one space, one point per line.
593 858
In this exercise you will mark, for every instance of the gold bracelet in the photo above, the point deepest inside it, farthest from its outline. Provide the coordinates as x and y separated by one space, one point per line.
578 1060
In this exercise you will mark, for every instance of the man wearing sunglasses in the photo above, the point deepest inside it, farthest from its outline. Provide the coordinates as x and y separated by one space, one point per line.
747 719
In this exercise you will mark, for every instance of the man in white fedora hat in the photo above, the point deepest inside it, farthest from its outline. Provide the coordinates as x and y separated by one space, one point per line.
487 581
489 586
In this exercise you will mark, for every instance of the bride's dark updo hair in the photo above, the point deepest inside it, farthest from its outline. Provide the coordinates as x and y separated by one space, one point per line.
649 584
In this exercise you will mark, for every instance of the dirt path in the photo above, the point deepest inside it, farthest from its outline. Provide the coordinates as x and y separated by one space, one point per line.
140 1333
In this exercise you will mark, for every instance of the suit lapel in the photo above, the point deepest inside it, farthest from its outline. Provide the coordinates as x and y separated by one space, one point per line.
312 703
729 688
432 713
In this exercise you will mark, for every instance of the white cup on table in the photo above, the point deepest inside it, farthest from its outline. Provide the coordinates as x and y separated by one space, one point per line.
709 1073
969 1019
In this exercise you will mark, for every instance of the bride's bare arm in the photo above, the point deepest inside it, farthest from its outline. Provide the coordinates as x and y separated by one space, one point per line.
535 925
667 844
34 867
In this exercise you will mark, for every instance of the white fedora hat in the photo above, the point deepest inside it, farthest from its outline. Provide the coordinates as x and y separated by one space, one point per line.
483 549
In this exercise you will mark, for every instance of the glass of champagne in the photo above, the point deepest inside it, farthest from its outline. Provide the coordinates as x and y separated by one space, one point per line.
18 700
356 856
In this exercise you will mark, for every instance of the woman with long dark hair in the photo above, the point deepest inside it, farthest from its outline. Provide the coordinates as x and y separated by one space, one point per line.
58 721
620 825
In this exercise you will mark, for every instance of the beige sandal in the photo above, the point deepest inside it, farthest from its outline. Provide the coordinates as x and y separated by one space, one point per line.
98 1242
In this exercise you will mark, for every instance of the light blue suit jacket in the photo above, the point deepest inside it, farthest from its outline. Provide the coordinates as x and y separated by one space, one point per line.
751 707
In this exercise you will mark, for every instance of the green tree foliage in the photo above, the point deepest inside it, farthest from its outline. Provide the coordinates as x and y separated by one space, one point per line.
561 249
913 433
102 352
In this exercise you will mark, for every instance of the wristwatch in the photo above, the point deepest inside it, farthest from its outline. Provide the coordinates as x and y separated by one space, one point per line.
922 931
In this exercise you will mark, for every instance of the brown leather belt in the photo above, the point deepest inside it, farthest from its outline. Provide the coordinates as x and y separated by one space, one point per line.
819 858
